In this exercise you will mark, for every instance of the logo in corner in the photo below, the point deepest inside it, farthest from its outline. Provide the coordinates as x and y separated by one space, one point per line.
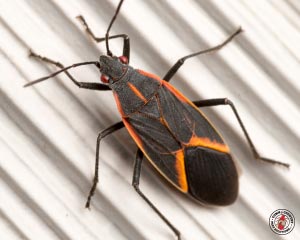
282 221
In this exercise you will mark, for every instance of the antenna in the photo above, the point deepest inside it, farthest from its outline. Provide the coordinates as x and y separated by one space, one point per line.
109 53
59 71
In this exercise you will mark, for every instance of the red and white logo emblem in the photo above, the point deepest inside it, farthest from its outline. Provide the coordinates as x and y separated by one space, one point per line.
282 221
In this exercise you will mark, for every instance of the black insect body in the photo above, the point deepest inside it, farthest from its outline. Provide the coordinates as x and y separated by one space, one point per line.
169 130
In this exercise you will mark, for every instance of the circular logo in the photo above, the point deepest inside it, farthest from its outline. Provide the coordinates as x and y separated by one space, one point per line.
282 221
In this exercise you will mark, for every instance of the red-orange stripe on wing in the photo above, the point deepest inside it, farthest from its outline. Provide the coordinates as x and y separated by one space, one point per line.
180 167
150 75
133 134
118 104
178 94
206 142
136 92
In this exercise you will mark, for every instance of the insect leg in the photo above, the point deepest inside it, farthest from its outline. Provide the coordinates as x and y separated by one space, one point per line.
180 62
135 184
101 135
126 44
226 101
87 85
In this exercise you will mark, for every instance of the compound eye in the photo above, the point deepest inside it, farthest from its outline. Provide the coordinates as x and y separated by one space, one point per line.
123 59
104 78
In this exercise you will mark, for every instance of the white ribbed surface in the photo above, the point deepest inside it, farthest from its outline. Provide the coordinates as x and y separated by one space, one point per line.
48 132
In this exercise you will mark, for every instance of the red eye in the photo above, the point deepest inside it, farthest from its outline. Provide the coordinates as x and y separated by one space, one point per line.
123 59
104 78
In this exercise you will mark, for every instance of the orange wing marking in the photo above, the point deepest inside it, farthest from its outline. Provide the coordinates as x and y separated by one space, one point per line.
133 134
178 94
206 142
150 75
118 104
180 167
136 92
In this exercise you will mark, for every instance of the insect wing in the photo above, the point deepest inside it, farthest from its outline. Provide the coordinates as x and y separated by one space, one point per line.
210 171
157 143
184 146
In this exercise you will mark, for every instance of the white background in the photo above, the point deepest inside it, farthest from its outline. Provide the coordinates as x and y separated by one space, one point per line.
48 132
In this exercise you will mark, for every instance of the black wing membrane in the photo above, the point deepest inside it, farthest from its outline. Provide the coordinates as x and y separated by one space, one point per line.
211 175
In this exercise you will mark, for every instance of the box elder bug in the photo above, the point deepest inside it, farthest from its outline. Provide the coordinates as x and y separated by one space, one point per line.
169 130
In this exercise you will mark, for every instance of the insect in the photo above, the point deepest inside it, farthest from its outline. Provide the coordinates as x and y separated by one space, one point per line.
169 129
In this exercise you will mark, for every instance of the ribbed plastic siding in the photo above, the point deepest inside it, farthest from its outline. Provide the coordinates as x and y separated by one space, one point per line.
48 132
